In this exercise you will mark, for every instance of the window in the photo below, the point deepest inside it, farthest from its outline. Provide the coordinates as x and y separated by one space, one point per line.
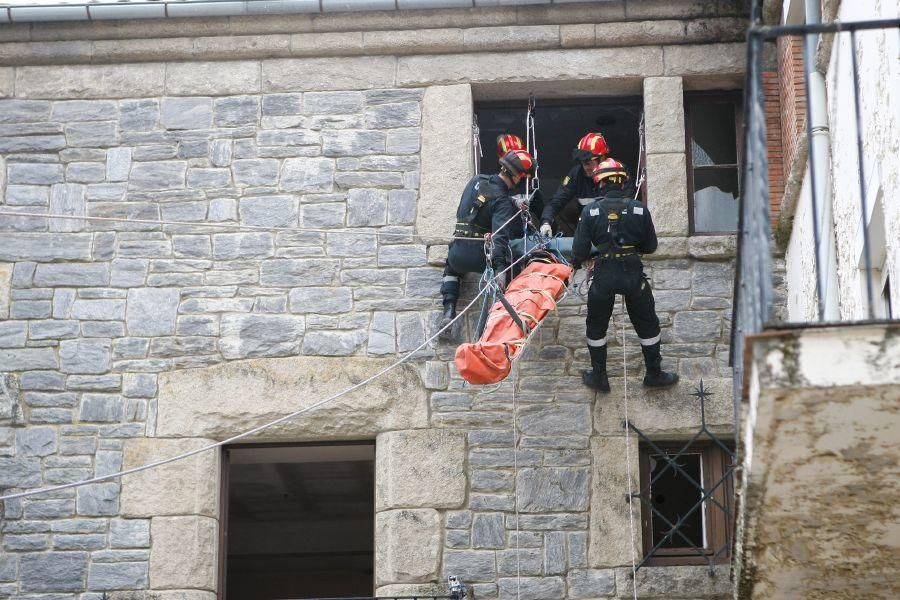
671 494
713 160
559 124
300 521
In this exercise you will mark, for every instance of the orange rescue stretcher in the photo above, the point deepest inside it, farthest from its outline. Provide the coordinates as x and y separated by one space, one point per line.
529 297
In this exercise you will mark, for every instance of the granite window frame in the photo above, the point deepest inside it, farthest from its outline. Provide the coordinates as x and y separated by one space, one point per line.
692 103
718 526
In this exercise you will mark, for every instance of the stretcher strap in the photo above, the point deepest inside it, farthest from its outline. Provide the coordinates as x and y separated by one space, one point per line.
549 275
515 316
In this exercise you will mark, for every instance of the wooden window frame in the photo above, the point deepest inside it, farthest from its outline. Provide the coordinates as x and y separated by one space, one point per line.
717 528
692 99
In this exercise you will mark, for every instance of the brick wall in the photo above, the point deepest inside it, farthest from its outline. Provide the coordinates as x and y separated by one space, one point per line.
772 102
792 96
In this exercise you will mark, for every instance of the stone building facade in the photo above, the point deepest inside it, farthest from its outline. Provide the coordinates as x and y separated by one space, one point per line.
122 343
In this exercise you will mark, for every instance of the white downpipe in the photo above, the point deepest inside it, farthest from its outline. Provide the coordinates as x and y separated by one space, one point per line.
821 153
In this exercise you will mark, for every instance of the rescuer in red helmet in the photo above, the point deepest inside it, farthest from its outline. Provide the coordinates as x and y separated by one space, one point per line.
621 229
505 143
579 183
486 206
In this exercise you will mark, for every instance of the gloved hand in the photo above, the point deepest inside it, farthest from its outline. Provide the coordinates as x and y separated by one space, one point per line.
546 230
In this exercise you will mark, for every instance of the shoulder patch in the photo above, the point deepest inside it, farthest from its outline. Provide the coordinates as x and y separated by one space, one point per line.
595 212
566 180
638 210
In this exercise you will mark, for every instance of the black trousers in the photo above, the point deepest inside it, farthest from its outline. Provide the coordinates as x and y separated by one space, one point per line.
463 257
623 276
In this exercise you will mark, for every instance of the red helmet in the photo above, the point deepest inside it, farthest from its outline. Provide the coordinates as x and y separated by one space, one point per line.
518 162
507 142
593 144
610 171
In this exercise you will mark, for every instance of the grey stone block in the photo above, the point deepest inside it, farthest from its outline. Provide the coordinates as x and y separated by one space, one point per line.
270 211
307 175
71 274
251 335
118 576
26 195
8 567
29 309
25 542
228 246
555 420
326 215
698 326
28 358
85 172
477 565
255 172
299 272
197 325
13 334
713 279
235 111
321 300
67 199
84 110
154 152
92 135
208 178
220 152
521 561
402 207
129 533
118 556
403 141
282 104
107 462
85 356
98 499
63 299
591 583
351 244
389 96
384 116
555 553
353 143
128 272
402 256
288 137
79 542
382 335
106 192
152 311
138 115
98 310
531 588
50 399
139 385
487 480
488 531
32 143
367 207
191 246
332 102
80 447
42 380
457 538
34 173
186 113
157 175
333 343
101 408
24 111
222 209
35 441
118 164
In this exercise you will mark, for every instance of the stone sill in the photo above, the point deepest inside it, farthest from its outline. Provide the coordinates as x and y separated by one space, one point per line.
364 42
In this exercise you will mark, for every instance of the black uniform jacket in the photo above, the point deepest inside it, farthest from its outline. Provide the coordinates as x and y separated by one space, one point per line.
635 226
498 208
574 185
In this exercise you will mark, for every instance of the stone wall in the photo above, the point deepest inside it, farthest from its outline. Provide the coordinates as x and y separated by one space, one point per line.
125 342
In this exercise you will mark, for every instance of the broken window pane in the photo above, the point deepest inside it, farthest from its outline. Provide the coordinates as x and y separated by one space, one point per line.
716 199
713 134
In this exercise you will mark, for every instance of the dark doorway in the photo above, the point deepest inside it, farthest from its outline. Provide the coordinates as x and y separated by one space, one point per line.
300 521
559 124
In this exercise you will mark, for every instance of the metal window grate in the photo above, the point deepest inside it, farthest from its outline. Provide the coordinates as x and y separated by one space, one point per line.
708 493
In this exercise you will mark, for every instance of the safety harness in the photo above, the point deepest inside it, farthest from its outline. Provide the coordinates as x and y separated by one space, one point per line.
614 209
467 228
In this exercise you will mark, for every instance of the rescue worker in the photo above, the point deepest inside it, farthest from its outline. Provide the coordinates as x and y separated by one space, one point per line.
579 183
621 229
505 143
486 207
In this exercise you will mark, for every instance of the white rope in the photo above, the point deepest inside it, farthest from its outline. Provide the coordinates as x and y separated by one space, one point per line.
265 426
516 475
628 457
237 226
476 145
641 168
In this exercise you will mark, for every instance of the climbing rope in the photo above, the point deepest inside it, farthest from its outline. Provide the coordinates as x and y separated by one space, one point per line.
515 430
641 170
630 496
476 145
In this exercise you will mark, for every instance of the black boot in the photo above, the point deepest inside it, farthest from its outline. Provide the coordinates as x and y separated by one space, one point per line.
447 318
656 377
596 378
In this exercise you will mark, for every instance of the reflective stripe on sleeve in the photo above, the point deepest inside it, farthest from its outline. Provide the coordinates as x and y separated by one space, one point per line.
597 343
451 278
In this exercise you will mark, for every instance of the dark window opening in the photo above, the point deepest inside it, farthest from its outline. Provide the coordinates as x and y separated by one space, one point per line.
712 122
677 495
886 298
300 521
558 127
